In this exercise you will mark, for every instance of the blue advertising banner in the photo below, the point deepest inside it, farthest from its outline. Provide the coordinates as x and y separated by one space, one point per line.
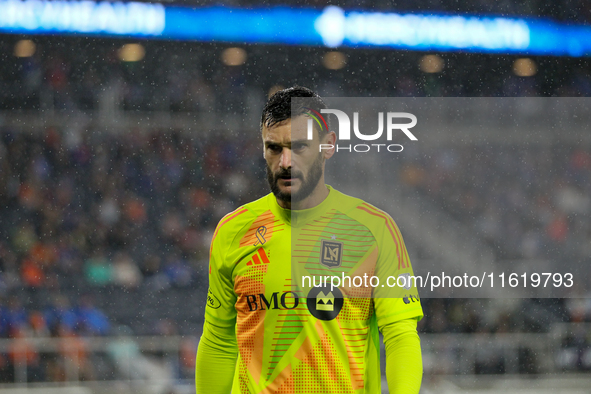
331 27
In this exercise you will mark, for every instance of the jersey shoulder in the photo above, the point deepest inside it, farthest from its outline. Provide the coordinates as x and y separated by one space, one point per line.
365 213
232 223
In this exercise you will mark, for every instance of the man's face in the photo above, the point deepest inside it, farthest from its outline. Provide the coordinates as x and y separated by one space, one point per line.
294 163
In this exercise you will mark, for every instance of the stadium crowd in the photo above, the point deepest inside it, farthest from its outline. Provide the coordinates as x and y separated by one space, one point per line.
184 78
135 211
22 323
139 209
529 201
120 210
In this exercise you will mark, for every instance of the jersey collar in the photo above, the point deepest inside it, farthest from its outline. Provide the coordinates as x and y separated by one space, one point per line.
297 218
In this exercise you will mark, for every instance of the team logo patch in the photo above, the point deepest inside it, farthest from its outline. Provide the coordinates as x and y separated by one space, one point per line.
331 253
407 282
212 300
324 303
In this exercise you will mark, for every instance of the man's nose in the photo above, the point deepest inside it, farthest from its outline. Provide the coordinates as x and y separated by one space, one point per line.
285 161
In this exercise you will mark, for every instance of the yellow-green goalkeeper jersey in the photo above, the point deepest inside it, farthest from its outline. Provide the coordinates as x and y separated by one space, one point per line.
294 337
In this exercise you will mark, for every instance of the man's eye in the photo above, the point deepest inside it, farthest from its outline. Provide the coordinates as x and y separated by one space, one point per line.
274 148
298 146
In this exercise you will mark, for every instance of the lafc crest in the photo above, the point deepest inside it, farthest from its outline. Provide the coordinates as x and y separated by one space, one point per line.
331 253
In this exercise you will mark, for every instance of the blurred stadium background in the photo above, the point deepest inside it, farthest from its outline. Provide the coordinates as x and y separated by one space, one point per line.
121 147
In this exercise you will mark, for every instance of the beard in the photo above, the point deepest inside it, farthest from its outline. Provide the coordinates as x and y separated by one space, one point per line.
308 183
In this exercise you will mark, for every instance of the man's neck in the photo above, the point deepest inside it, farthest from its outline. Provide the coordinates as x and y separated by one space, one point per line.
315 198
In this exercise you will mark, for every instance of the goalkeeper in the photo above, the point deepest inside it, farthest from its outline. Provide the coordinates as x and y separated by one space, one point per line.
264 332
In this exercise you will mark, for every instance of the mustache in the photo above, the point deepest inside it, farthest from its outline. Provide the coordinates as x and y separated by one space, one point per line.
287 173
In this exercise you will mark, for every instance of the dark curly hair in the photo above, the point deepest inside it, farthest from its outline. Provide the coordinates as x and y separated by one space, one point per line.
278 108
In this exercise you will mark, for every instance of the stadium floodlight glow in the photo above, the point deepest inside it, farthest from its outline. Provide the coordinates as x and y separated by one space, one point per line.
334 60
24 48
331 27
131 53
525 67
431 64
234 56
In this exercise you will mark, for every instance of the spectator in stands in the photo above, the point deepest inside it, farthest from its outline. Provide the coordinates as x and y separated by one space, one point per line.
59 314
16 317
125 271
90 320
178 271
98 268
38 324
23 354
74 351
